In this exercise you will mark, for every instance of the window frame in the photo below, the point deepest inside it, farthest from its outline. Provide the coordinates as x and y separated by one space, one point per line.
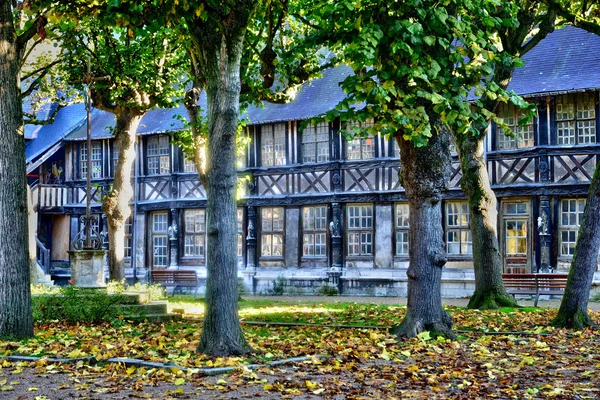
161 234
272 233
460 228
402 228
360 230
194 233
518 130
313 133
274 157
569 228
361 142
519 211
240 232
128 245
574 116
163 154
313 229
97 160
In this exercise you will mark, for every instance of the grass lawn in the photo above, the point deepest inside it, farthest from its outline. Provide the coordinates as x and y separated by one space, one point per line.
535 362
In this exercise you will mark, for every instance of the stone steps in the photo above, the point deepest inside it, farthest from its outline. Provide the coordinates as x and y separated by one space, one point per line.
155 317
154 307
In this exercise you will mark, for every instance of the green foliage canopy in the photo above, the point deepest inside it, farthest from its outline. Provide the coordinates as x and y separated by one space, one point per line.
416 60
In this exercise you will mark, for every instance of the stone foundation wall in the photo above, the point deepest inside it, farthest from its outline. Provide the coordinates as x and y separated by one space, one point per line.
456 282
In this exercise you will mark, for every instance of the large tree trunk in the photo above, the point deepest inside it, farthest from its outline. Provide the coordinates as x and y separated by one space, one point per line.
15 294
475 184
424 174
220 55
573 308
116 204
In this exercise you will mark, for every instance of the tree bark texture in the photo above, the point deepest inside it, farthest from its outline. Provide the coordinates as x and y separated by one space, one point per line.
220 49
15 294
573 308
116 204
424 174
487 263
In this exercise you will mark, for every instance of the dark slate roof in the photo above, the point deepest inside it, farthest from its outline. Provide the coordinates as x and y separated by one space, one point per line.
155 121
47 136
568 59
43 113
313 99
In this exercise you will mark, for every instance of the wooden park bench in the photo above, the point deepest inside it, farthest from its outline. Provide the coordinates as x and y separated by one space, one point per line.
535 284
175 278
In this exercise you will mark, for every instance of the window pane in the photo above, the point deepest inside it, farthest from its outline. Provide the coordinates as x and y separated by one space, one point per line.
517 136
314 220
279 143
571 213
360 220
266 245
277 245
267 147
272 223
160 223
402 243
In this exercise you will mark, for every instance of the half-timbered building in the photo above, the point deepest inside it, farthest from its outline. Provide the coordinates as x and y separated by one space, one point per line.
318 208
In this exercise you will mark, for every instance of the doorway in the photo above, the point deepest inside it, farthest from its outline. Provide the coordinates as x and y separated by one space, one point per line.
516 235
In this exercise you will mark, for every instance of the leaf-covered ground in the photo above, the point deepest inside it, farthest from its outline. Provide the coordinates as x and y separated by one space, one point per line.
504 354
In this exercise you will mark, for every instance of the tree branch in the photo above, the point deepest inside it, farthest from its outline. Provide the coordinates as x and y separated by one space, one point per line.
573 19
29 33
42 69
30 119
114 49
28 52
306 22
546 26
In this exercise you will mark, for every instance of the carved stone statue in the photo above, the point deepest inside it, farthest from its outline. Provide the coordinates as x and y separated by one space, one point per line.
543 224
251 233
172 231
335 229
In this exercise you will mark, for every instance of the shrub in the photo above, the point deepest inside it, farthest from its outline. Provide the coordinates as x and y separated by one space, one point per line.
278 287
328 290
295 291
75 304
155 291
116 287
44 289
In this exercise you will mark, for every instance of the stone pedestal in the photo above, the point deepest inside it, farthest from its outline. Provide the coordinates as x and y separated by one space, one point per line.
87 268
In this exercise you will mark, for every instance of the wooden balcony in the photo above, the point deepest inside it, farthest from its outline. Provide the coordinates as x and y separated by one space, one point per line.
49 196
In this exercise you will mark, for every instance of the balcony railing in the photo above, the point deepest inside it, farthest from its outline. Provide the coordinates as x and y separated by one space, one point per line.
42 256
50 196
